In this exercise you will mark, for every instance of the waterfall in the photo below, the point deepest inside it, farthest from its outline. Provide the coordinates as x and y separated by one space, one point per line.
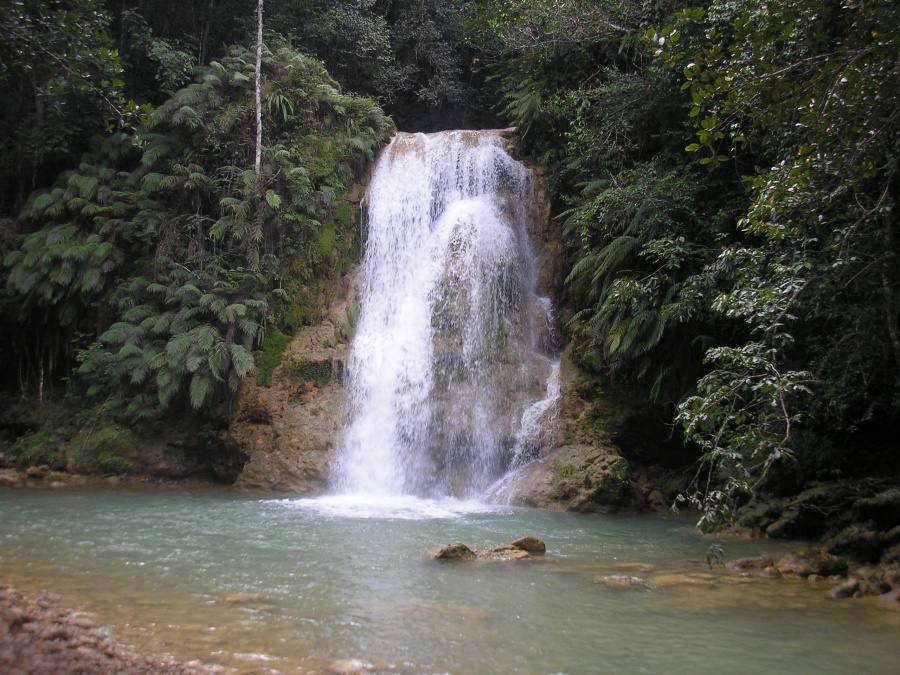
449 358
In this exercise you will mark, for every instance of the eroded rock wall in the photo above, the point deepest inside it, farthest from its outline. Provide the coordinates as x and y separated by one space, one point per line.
579 467
289 432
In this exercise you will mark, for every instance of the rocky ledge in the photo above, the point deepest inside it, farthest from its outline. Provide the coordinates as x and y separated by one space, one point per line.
841 578
37 637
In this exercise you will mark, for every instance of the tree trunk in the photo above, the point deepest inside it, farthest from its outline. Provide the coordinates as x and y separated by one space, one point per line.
259 38
204 34
888 283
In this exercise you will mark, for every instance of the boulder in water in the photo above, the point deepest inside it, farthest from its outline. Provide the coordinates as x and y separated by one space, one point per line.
530 544
521 549
455 551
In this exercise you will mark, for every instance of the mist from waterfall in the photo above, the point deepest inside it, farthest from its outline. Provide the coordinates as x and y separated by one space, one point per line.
452 354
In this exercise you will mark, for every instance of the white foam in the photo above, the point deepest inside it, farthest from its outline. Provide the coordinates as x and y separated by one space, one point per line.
387 507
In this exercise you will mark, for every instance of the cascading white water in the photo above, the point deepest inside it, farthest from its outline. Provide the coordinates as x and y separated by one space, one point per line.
446 362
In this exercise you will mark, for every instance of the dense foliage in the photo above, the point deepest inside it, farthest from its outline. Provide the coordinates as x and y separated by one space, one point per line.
726 175
175 250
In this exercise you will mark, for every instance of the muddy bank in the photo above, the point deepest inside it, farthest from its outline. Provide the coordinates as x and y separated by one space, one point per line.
37 636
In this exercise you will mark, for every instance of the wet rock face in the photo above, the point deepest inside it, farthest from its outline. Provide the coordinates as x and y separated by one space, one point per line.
289 432
579 468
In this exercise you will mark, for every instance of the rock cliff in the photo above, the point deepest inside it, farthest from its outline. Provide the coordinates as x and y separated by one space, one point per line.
289 431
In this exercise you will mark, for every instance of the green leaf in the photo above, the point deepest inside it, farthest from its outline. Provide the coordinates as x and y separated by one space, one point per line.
200 388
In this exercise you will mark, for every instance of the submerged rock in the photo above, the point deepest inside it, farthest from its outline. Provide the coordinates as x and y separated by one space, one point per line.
682 579
622 581
349 667
37 636
748 564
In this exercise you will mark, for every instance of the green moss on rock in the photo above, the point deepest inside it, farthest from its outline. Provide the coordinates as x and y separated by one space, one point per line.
270 358
318 372
590 478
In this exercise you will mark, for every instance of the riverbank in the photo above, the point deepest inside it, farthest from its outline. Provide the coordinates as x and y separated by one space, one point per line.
43 477
38 636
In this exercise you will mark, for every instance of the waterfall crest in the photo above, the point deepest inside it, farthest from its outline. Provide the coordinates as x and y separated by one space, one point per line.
451 353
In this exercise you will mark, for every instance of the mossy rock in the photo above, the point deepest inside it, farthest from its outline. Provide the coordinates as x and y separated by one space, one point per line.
317 372
113 464
859 542
883 509
100 450
270 357
760 513
808 515
590 479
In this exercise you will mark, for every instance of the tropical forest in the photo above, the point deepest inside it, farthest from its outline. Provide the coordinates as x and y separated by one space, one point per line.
298 292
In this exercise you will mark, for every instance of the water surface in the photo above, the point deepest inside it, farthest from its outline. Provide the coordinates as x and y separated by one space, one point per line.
291 586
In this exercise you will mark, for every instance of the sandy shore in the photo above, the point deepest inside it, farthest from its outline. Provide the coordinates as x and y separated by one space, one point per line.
38 637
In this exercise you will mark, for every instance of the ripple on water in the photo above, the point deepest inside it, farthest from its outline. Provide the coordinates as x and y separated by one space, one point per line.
235 580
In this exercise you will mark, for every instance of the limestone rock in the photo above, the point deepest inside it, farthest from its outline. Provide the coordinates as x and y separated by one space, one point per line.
622 581
657 501
521 549
9 478
771 572
502 553
590 478
531 545
845 590
456 551
805 562
883 509
37 471
893 597
747 564
289 432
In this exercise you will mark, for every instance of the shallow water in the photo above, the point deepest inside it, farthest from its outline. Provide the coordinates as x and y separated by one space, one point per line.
267 585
